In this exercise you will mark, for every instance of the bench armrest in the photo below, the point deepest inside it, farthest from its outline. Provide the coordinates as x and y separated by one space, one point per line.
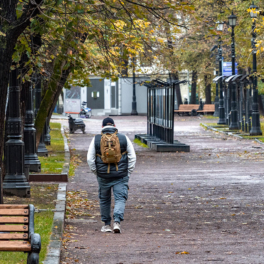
34 238
35 242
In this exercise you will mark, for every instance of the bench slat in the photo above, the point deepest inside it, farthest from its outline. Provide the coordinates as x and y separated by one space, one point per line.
14 212
187 108
13 206
14 236
15 246
14 228
15 220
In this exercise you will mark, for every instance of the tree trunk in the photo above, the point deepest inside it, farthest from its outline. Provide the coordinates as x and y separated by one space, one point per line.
54 88
175 76
64 77
193 88
207 84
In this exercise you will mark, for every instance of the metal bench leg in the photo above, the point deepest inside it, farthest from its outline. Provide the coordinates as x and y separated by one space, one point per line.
33 256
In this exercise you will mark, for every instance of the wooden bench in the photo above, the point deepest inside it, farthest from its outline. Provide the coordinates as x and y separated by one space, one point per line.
186 108
207 108
17 230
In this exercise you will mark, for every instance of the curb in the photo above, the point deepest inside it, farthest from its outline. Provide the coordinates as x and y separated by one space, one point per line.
259 141
66 165
54 248
229 133
225 133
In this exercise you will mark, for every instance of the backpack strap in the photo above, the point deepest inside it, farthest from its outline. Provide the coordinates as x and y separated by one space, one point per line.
108 168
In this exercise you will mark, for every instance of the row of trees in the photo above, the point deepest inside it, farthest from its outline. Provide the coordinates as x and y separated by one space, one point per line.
84 37
193 47
66 41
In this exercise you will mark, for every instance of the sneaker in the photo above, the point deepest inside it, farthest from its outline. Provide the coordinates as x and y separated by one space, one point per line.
106 228
117 227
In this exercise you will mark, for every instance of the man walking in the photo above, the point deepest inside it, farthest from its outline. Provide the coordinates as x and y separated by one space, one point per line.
111 157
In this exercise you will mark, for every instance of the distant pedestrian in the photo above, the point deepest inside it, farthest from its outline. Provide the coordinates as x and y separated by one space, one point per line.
111 157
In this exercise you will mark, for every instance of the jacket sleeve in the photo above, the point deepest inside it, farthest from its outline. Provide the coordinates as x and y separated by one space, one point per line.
91 156
131 156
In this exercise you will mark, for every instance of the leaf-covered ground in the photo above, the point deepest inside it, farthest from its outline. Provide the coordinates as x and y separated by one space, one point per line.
205 206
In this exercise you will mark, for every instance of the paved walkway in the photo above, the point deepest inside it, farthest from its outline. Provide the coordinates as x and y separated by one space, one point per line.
205 206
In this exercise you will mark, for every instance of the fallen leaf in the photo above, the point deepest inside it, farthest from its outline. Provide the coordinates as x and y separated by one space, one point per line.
182 253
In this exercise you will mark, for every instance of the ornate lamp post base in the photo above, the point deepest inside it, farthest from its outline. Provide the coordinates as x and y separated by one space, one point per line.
33 163
42 151
31 157
47 139
255 129
222 120
216 113
15 181
16 187
234 120
134 107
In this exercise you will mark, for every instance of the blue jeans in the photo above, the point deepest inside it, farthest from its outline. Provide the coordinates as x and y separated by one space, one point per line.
120 190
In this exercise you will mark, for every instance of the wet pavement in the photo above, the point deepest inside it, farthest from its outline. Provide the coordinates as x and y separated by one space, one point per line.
205 206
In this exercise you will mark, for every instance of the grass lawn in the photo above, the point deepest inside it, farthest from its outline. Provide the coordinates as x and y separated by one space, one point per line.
260 137
215 125
54 162
210 117
43 196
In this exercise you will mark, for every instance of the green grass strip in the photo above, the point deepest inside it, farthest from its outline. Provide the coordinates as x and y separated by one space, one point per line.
210 117
54 162
138 142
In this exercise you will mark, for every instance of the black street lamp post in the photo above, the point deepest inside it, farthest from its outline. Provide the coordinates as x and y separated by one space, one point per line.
46 132
216 102
1 189
31 157
134 99
15 182
42 151
255 129
221 120
234 125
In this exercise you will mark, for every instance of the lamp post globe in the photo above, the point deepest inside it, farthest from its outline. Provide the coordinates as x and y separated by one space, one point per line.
232 20
255 128
253 12
219 26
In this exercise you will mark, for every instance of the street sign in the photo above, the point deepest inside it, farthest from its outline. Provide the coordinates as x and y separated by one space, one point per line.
227 68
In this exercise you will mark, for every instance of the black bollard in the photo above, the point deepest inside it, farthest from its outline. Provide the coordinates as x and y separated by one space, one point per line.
15 182
42 151
200 104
